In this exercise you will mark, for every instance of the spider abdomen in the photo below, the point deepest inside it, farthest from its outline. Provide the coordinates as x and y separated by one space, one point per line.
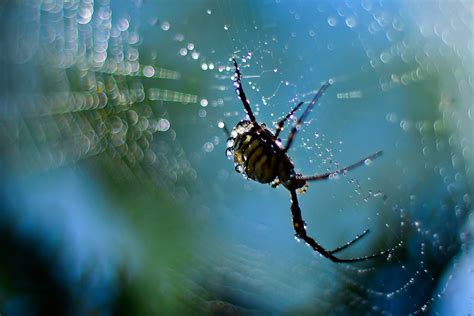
255 156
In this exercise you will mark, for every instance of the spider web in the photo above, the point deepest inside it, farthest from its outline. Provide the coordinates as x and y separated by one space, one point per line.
138 90
401 85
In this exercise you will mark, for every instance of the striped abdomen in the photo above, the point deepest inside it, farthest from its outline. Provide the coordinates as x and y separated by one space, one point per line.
257 157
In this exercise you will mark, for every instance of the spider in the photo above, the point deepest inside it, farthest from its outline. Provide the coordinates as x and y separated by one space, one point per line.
259 155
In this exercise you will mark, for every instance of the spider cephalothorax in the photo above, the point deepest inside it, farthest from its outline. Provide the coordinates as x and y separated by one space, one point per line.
259 155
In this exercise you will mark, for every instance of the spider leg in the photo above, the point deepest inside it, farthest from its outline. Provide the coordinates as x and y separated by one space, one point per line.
282 122
325 176
299 227
248 110
241 93
358 237
303 116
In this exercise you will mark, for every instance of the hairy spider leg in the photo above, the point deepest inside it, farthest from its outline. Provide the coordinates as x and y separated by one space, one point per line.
282 122
325 176
303 116
241 93
298 225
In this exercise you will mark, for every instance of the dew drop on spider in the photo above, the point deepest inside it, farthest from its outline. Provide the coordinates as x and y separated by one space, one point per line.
239 168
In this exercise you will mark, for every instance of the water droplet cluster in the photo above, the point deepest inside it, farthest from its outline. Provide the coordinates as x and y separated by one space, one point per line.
96 99
241 128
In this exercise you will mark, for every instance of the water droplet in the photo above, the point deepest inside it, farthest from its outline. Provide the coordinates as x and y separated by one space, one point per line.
165 26
332 21
148 71
194 55
116 124
351 22
385 57
208 147
366 5
179 37
239 168
163 125
84 15
391 117
202 113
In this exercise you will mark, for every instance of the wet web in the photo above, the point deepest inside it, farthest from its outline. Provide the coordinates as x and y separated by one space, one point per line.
142 93
384 54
